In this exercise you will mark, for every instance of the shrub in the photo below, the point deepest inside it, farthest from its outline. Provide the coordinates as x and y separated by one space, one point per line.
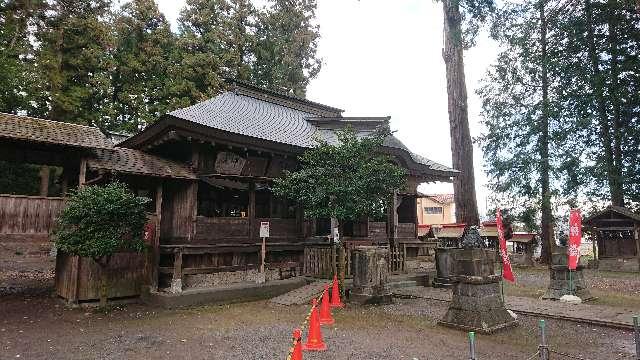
99 221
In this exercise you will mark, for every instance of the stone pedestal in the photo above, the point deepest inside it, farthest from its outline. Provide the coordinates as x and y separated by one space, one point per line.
370 276
559 278
444 268
476 303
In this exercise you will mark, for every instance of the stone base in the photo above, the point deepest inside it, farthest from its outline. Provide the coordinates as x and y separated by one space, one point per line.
366 299
439 282
477 307
559 284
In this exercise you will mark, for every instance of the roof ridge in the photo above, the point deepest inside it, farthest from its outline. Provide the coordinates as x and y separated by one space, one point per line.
250 89
49 120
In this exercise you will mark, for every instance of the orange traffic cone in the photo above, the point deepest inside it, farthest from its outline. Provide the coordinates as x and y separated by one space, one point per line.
314 338
297 347
325 311
335 294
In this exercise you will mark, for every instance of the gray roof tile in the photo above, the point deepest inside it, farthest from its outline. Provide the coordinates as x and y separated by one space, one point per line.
262 118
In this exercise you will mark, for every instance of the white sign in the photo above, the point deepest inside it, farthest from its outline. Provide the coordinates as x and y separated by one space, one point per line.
264 229
336 235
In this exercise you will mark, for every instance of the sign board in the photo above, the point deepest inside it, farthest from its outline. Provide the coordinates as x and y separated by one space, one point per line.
229 163
336 235
264 229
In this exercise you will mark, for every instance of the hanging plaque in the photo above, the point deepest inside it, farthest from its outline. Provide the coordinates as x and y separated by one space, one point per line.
229 163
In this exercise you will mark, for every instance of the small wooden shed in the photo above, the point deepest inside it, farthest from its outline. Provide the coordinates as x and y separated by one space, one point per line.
523 246
616 232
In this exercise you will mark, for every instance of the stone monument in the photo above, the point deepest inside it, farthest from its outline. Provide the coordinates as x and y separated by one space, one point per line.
444 268
562 281
476 303
370 276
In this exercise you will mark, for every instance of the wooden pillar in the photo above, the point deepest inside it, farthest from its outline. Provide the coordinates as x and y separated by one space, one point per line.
252 211
155 253
193 200
44 180
74 276
64 186
82 177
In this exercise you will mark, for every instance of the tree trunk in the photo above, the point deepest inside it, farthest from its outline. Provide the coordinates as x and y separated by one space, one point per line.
461 146
547 216
597 81
618 197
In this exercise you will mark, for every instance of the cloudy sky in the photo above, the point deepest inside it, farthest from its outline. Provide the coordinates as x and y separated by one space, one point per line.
382 58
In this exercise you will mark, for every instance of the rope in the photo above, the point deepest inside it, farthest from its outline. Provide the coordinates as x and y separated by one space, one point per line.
578 357
533 356
303 325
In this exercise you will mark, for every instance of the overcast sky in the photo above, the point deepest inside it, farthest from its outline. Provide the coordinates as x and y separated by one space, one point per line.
384 57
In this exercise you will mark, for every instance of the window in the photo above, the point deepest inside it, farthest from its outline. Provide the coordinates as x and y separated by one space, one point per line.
433 210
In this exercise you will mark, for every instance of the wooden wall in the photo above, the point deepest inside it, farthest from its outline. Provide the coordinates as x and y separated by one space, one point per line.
231 230
178 212
28 215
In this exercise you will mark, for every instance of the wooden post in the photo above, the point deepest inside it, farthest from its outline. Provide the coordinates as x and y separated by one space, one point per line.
176 281
44 180
252 211
82 177
155 259
193 194
74 276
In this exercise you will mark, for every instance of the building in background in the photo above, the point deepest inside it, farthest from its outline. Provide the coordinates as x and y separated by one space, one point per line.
435 209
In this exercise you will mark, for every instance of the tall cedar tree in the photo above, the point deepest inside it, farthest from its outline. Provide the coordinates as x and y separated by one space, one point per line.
141 79
286 46
74 62
18 19
215 38
565 76
461 22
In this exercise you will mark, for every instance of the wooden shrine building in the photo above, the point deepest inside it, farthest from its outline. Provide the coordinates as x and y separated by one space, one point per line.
209 169
616 234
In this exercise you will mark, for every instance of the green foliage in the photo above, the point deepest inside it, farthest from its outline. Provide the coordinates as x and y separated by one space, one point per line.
19 179
141 78
512 101
17 19
286 46
346 180
91 62
73 62
100 221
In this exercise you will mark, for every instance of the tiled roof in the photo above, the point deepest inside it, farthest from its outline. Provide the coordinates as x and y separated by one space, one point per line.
617 209
522 237
261 116
136 162
51 132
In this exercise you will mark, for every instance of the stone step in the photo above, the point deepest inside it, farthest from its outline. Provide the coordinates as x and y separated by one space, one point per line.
302 295
403 284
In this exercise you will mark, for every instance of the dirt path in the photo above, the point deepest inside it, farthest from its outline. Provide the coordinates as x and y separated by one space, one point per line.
41 328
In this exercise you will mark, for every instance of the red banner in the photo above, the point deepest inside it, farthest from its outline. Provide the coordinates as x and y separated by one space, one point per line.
507 273
575 237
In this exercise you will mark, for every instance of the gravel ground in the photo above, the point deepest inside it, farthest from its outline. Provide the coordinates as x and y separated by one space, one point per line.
605 281
42 328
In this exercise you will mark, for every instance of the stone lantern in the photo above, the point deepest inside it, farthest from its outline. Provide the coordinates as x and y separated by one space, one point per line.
476 303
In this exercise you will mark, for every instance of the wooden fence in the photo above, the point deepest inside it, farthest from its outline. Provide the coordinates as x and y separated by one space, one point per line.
36 215
322 261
